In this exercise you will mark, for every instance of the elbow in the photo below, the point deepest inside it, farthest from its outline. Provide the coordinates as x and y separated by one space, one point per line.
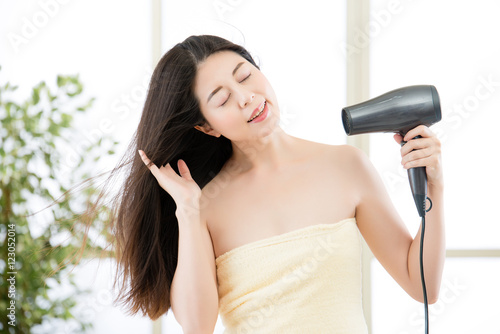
196 329
432 296
200 323
433 301
196 317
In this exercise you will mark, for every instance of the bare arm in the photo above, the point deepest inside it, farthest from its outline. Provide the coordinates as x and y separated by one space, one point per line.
386 233
434 249
193 295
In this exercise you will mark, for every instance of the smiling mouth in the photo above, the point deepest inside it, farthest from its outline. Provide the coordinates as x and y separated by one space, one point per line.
259 113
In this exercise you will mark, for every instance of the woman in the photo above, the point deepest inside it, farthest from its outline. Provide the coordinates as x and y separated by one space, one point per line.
234 215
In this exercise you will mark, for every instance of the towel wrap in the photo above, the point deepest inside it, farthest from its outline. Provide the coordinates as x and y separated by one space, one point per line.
304 281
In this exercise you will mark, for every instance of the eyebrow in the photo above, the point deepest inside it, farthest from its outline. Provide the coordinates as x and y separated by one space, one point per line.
219 88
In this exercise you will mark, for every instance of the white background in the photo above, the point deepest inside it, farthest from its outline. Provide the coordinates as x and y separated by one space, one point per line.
452 45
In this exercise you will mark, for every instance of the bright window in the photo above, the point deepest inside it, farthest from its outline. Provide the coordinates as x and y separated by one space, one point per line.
453 47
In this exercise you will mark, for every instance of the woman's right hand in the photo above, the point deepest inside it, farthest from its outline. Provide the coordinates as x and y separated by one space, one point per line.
183 189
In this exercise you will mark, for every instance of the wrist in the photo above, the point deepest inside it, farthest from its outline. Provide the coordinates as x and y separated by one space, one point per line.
187 212
435 188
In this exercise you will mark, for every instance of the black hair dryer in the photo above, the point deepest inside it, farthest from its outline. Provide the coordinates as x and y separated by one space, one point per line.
398 111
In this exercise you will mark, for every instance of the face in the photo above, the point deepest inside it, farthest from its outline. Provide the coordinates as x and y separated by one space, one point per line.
231 91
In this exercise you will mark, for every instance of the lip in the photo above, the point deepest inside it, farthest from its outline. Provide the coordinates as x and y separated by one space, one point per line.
256 111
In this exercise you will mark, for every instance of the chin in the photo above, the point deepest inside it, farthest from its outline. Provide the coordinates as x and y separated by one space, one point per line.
271 127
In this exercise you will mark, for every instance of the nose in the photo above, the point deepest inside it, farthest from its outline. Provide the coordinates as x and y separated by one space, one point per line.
246 97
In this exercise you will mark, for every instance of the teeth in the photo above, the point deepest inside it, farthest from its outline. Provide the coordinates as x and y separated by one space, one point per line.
262 108
259 113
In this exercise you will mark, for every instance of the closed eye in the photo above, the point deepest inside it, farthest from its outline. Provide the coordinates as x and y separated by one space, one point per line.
226 99
248 76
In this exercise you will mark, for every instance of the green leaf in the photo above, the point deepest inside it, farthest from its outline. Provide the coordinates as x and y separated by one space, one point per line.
61 81
34 180
76 89
36 95
53 128
38 116
86 106
66 120
8 106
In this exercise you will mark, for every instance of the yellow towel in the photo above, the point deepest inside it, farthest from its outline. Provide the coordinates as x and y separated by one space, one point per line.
304 281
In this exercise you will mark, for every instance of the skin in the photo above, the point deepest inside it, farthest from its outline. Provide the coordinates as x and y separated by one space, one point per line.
275 183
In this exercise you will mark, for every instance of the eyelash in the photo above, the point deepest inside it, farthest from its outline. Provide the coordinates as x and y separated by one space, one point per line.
248 76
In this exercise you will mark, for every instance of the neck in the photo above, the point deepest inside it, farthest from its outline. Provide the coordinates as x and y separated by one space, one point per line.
264 154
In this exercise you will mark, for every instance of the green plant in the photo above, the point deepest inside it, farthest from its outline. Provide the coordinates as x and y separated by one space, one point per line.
36 138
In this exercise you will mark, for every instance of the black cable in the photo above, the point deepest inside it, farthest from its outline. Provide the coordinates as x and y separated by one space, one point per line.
422 276
426 306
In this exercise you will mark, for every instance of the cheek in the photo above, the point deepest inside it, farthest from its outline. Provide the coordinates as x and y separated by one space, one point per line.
269 91
225 121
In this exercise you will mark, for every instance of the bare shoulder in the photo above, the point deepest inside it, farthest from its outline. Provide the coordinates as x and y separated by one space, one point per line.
350 157
358 165
354 158
353 168
345 152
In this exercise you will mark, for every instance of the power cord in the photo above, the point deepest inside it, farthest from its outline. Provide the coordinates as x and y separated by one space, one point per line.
426 306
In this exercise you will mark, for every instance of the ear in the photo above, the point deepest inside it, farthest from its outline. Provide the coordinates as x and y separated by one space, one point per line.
207 129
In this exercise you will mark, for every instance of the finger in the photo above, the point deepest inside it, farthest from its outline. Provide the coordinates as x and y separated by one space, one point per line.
416 144
428 162
398 138
167 169
420 130
152 167
184 170
416 155
145 159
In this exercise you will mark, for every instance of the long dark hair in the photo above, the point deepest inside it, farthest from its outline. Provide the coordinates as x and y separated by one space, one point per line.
144 224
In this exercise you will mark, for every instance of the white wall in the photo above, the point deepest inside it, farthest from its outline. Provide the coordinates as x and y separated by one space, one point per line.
297 44
453 46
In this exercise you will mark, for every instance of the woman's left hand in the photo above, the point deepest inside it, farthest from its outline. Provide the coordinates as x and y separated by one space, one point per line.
422 152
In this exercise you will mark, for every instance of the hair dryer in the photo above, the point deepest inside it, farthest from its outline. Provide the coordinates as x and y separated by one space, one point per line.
398 111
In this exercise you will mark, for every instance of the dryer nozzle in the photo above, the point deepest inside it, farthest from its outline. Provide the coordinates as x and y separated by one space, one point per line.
396 111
